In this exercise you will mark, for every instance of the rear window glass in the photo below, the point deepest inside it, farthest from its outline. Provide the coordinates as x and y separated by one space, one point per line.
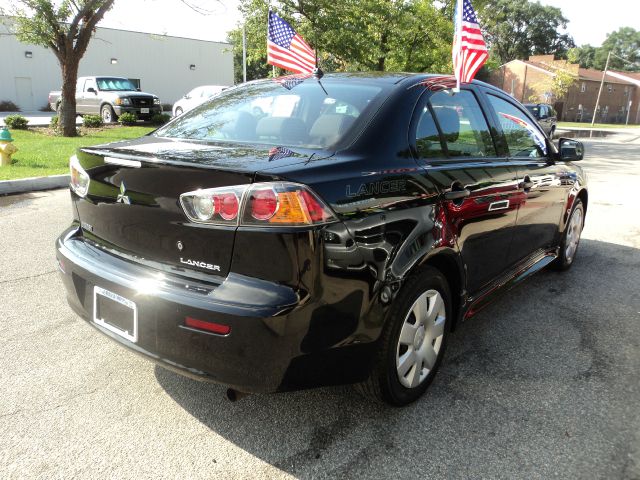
309 115
534 110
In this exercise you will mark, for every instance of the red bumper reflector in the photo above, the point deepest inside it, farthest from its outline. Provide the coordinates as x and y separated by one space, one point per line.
208 326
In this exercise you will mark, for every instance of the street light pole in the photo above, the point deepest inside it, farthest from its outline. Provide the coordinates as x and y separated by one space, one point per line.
595 110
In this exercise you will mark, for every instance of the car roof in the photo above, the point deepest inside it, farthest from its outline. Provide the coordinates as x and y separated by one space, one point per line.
385 79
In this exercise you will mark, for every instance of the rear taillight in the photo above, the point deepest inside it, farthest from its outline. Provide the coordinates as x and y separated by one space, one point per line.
260 204
214 205
79 182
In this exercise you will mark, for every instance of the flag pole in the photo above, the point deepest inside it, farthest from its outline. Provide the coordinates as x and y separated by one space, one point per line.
273 67
244 53
456 39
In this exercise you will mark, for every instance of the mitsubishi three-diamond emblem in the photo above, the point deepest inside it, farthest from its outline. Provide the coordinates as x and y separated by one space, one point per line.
121 196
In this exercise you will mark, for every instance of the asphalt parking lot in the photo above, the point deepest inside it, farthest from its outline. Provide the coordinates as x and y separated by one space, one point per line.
544 383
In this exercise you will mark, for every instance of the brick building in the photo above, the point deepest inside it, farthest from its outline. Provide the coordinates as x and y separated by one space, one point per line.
529 80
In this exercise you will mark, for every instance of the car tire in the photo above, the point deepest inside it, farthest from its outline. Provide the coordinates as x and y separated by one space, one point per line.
107 114
408 356
570 238
178 112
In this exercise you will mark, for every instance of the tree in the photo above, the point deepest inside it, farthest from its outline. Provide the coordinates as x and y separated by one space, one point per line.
584 55
625 43
516 29
351 35
65 28
557 86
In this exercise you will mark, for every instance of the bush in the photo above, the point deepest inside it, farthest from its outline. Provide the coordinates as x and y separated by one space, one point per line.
17 122
92 121
128 119
8 106
46 108
55 121
160 118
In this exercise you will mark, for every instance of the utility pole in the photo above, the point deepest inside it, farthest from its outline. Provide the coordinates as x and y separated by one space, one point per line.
244 54
595 110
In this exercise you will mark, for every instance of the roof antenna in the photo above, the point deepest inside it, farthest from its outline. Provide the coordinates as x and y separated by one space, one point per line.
317 72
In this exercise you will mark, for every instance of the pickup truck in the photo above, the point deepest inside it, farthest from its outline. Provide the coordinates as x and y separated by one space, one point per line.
110 97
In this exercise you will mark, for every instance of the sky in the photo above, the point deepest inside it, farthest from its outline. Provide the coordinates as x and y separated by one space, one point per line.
590 20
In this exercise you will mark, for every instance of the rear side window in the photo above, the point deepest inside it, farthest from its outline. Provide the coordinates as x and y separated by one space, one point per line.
464 130
523 138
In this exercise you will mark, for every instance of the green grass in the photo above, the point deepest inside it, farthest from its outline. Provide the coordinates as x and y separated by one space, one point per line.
40 154
596 126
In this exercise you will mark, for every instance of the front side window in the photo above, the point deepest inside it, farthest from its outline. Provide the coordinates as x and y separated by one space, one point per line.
89 83
523 138
462 125
309 115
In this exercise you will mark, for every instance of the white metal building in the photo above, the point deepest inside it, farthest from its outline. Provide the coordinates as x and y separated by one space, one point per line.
166 66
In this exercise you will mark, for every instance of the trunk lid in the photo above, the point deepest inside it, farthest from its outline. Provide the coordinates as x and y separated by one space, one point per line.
133 208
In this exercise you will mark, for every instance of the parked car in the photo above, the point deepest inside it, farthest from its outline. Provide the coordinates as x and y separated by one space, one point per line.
110 97
545 115
276 239
195 97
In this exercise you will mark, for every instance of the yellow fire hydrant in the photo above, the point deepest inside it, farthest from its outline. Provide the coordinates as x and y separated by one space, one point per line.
6 147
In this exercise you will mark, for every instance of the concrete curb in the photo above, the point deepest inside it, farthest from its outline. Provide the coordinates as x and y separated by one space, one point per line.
33 184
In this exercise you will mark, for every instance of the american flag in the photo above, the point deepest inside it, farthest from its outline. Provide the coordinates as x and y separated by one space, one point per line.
537 136
290 81
286 49
469 49
442 82
276 153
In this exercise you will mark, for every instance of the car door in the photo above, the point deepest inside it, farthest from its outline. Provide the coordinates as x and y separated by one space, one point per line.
480 189
542 186
92 98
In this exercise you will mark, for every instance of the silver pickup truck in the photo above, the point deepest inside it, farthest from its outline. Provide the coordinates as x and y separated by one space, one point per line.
110 97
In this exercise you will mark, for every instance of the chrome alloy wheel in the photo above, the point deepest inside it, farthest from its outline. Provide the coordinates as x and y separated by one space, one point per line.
574 229
420 339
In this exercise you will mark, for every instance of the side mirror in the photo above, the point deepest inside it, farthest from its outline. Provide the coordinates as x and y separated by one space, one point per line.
570 150
138 89
92 90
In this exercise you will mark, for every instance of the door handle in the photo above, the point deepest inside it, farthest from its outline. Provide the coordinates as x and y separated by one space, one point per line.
457 194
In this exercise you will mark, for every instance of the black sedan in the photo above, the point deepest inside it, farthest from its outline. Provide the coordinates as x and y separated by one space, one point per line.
291 234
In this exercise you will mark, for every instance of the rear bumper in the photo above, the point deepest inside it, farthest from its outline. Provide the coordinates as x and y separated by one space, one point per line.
270 323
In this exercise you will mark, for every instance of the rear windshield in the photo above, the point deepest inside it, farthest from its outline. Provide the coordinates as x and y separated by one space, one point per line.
309 115
115 84
534 110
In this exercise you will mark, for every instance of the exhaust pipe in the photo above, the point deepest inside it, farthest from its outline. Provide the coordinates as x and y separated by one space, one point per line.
235 395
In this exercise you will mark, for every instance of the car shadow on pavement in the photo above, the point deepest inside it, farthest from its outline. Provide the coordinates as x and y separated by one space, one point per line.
513 396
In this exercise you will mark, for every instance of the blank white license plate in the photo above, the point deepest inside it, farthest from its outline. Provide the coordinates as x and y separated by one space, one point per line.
115 313
144 110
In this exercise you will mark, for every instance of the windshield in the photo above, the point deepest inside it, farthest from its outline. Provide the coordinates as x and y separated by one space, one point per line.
115 84
267 113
